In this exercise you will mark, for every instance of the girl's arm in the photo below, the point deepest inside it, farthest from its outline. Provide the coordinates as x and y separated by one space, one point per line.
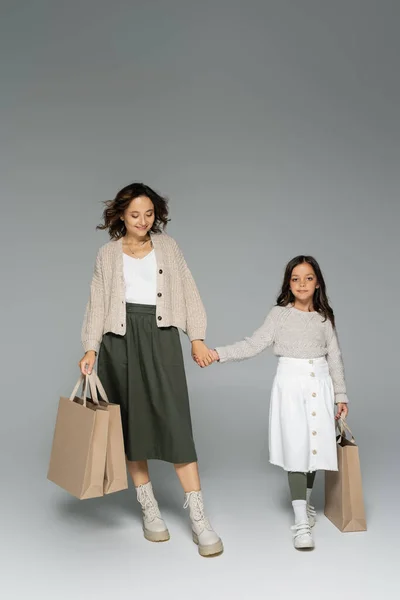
261 339
93 322
336 368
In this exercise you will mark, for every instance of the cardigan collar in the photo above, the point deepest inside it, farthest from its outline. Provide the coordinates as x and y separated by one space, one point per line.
153 236
155 240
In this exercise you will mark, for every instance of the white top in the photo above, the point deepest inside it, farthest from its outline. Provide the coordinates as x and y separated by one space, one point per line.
140 276
294 334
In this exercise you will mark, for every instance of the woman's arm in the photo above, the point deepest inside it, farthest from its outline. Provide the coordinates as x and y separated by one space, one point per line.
196 319
261 339
93 322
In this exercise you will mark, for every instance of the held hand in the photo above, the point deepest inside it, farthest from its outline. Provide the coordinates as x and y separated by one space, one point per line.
201 354
215 355
86 363
342 411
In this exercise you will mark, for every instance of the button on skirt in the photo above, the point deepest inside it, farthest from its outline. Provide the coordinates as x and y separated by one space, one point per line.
302 433
143 372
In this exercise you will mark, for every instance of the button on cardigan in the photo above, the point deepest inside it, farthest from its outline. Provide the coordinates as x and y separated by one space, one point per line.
178 301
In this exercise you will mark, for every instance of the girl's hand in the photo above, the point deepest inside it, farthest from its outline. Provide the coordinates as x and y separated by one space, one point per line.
201 354
86 363
342 411
215 355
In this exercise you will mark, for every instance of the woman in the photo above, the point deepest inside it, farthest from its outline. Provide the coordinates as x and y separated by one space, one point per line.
141 293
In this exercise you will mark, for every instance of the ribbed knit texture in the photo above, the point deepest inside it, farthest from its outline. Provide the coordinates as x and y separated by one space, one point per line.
294 334
178 299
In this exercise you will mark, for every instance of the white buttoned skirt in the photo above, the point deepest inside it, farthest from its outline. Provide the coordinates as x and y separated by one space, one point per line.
302 434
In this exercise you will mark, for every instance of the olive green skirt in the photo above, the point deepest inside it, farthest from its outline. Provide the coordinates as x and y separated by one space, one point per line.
143 372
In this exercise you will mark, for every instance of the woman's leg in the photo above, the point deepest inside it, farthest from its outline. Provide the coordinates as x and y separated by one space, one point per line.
139 471
188 474
204 536
154 527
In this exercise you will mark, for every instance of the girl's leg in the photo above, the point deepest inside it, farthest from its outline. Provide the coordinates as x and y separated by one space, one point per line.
312 515
154 527
301 485
310 483
298 492
298 485
302 538
204 536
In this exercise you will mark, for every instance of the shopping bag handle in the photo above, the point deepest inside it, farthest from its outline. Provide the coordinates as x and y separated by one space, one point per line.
95 384
84 381
343 427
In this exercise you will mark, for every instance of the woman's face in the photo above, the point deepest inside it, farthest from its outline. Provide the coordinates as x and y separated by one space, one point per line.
303 282
139 216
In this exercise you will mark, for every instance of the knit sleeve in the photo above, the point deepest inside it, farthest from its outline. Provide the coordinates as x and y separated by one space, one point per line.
93 322
261 339
196 318
335 363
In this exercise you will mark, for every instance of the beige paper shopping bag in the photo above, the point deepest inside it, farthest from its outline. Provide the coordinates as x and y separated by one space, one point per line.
115 476
344 503
78 454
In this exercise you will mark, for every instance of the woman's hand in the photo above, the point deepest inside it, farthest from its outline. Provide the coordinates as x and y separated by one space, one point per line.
201 353
86 363
342 411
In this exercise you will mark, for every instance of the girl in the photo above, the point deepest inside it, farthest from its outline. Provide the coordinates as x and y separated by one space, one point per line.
308 382
141 292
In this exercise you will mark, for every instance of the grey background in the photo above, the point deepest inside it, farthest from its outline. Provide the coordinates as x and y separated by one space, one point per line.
273 126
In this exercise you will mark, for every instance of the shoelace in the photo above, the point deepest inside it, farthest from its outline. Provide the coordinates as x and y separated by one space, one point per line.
197 509
302 528
150 508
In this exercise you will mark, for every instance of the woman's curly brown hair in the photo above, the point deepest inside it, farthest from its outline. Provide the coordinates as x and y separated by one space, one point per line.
115 209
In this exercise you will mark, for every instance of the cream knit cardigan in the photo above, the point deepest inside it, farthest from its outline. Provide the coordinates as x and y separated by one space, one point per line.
178 299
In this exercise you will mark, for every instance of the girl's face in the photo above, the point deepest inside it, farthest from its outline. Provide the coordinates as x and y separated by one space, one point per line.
139 216
303 282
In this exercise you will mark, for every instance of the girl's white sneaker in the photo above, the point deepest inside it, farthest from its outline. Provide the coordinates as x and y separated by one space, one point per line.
302 536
